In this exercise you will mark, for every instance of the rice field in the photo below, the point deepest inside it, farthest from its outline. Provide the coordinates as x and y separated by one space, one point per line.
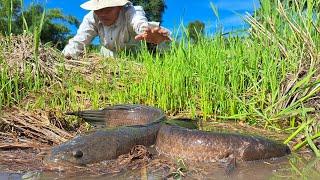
268 77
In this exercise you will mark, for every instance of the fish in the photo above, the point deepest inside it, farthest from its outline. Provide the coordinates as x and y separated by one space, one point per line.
129 125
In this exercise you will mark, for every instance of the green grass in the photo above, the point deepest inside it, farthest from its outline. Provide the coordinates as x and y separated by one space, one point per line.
266 78
14 87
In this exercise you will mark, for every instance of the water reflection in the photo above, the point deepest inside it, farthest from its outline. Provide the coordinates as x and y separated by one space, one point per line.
300 167
293 167
11 176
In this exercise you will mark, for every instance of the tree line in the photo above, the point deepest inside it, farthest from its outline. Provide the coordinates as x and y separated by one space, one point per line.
55 28
14 19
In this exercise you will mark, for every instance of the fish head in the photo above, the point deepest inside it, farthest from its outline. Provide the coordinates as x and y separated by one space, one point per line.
82 150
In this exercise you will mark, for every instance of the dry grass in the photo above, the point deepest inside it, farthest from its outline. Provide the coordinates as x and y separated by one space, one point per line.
95 68
20 49
21 129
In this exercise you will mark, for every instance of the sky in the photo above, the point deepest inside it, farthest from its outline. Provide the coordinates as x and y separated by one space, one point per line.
231 12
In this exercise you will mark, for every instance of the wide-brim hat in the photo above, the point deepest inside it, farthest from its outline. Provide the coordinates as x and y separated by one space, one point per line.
93 5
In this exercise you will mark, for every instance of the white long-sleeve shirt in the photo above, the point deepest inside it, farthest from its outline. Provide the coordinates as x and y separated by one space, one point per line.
119 36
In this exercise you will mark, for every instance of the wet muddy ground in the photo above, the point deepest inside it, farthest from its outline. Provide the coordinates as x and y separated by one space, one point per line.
144 163
21 158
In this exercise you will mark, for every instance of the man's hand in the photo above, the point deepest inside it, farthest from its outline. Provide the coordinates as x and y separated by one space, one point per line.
154 35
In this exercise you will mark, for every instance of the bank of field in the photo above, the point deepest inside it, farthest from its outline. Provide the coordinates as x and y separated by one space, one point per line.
268 77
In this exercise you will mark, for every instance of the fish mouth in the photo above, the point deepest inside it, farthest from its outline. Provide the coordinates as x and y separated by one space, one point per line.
288 150
52 158
60 161
60 165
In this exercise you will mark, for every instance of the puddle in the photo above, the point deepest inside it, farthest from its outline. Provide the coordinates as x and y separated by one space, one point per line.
295 166
27 164
11 176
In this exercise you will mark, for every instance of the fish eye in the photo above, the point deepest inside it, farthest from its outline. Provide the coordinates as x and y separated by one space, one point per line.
77 154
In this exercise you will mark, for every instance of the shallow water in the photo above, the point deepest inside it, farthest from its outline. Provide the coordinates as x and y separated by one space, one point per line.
292 167
12 176
24 164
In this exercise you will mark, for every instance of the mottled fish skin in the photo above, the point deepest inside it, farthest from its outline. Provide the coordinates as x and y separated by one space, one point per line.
145 127
103 144
195 145
143 123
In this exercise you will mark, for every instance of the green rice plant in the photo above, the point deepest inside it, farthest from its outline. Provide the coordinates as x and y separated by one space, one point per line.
311 143
180 170
36 35
300 168
9 14
303 143
297 40
25 24
230 77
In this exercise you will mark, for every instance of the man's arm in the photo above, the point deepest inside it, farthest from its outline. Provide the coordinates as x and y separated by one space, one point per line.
148 31
137 18
86 32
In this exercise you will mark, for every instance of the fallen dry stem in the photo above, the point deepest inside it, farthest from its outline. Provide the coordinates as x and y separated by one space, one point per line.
32 127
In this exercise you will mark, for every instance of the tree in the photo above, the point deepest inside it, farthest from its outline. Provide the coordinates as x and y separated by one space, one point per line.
54 27
9 10
154 8
195 30
52 31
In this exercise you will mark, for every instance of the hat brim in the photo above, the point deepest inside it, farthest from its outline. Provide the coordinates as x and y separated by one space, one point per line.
93 5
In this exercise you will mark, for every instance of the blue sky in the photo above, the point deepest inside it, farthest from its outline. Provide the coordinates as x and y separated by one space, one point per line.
230 12
178 11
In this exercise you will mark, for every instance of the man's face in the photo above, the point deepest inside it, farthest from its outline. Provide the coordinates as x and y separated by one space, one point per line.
109 15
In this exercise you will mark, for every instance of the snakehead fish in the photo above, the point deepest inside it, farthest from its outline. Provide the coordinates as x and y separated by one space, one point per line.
145 126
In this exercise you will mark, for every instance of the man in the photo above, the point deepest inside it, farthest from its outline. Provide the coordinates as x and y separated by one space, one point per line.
119 25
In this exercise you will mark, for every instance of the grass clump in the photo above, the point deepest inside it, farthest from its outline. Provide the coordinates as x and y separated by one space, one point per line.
22 71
